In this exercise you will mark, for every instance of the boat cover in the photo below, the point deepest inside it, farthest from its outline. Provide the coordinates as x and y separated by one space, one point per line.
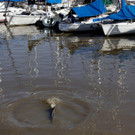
53 1
93 9
126 12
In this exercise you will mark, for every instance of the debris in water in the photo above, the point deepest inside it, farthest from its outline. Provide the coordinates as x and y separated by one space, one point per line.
52 102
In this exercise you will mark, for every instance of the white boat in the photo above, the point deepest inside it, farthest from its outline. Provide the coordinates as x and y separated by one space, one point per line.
12 10
2 17
118 28
84 18
24 18
79 26
117 23
2 11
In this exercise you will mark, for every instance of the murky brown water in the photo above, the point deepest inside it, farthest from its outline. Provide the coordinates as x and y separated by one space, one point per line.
93 76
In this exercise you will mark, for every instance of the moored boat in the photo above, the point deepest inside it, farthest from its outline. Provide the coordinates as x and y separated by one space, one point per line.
7 9
83 17
25 18
118 28
122 22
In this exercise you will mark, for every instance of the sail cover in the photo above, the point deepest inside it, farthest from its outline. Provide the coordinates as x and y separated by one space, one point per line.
126 12
53 1
93 9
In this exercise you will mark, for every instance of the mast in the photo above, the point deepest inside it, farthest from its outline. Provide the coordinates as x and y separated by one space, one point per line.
6 9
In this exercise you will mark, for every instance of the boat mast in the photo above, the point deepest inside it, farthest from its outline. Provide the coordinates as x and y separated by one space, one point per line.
6 8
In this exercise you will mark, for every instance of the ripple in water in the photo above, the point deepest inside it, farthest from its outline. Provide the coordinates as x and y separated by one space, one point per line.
32 112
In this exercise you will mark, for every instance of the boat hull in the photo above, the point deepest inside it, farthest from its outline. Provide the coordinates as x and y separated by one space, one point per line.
14 20
2 18
118 28
67 27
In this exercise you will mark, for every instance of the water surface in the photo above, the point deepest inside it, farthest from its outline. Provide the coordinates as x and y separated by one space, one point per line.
92 75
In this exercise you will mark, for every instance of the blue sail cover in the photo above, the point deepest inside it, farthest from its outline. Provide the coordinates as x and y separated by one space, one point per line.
53 1
126 12
93 9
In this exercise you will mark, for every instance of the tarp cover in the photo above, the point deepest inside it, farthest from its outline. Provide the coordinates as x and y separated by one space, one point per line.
126 12
93 9
53 1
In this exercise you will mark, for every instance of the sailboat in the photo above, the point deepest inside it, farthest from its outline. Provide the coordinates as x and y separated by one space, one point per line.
122 22
6 7
83 17
25 17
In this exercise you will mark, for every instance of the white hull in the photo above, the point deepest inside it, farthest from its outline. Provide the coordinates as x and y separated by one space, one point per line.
119 28
2 18
10 10
67 27
14 20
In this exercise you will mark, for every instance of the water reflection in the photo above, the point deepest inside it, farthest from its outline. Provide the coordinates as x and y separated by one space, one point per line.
94 86
82 42
2 29
121 43
35 60
10 32
2 95
60 58
97 68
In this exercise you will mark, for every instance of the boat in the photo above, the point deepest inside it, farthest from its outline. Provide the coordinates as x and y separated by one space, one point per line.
118 28
28 15
25 18
2 11
122 22
11 9
85 25
83 18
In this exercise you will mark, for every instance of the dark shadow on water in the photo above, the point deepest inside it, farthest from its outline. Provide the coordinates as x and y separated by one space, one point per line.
94 33
51 112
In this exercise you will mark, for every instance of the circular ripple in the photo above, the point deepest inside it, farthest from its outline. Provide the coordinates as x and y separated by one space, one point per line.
71 112
33 112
